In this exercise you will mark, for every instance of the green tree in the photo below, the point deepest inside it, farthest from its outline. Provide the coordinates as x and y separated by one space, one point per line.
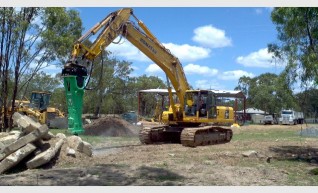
269 92
309 102
32 38
108 84
298 47
41 81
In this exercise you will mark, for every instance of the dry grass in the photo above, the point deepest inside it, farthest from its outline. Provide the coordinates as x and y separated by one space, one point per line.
283 158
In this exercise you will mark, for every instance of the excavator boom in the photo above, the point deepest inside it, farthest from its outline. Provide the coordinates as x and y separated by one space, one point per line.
186 113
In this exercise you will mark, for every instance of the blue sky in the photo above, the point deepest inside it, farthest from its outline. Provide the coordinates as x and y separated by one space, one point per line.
215 45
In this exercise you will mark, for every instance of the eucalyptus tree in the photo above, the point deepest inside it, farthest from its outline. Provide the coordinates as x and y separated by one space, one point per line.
32 38
298 42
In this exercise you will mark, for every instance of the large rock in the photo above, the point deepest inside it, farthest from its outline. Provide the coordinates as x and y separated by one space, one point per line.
33 136
45 156
87 149
250 153
74 142
14 158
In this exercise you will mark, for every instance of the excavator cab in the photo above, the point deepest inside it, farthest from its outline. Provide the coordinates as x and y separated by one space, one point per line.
40 100
200 103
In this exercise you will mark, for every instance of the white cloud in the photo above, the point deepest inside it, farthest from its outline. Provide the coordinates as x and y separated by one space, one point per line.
187 53
207 84
126 50
201 70
235 75
260 58
258 11
212 37
153 69
184 52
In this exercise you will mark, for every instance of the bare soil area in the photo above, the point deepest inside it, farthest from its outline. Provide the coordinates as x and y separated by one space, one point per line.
281 157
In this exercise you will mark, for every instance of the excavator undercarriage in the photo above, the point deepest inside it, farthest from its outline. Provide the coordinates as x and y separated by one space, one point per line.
187 136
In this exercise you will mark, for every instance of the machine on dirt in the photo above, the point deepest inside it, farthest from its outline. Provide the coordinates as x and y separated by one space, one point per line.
38 108
189 121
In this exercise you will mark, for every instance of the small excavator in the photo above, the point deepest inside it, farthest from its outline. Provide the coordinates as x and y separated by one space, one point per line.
189 122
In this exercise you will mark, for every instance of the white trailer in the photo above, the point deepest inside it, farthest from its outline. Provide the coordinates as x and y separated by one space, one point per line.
289 117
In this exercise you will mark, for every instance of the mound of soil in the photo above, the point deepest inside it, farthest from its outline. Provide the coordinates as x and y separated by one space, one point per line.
111 126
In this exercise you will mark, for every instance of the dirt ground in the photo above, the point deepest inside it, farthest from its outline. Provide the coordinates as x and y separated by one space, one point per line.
123 161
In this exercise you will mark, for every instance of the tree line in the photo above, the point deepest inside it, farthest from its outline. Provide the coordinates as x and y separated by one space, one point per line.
297 48
33 38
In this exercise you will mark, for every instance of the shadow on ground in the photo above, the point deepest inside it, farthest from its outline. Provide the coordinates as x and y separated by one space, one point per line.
99 175
296 153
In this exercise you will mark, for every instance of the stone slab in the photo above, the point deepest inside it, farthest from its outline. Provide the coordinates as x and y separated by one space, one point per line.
14 158
45 156
22 141
87 149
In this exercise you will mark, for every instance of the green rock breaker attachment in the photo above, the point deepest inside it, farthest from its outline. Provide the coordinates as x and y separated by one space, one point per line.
74 84
74 99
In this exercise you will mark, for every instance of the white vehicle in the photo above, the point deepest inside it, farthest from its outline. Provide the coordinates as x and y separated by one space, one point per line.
268 119
289 117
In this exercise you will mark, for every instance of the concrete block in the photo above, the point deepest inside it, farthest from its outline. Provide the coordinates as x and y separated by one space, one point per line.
74 142
70 152
22 141
17 133
45 156
3 134
26 123
16 116
22 123
87 149
14 158
60 135
9 139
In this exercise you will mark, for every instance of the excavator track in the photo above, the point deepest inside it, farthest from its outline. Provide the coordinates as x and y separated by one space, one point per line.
190 136
150 135
208 135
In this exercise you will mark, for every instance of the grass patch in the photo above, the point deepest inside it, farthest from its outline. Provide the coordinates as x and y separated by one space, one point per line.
314 171
268 135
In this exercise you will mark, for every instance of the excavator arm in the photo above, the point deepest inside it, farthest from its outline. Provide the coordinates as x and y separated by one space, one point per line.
117 24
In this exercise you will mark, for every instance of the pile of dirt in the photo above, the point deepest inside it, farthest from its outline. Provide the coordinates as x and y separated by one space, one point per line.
111 126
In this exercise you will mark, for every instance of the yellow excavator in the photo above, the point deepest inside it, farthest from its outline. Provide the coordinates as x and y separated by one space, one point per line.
190 121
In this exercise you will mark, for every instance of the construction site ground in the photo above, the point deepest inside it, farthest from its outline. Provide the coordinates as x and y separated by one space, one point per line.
273 155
